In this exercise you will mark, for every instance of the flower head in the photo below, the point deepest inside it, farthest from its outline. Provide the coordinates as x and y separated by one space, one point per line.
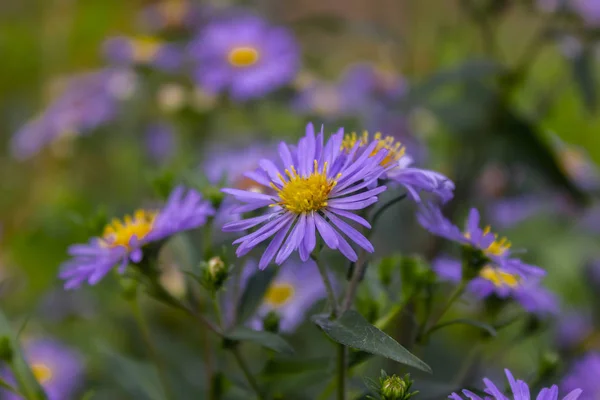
584 374
57 368
397 165
145 50
524 288
245 56
87 102
123 240
313 187
296 288
520 391
496 249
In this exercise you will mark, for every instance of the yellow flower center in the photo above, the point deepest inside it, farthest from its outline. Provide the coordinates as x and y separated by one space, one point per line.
41 372
145 49
498 247
279 294
395 150
498 277
303 194
243 56
119 233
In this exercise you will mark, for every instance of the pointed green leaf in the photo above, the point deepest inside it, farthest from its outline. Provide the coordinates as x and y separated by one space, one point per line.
254 293
263 338
352 330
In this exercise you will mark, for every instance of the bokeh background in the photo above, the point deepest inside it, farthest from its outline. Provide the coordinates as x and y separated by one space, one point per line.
499 95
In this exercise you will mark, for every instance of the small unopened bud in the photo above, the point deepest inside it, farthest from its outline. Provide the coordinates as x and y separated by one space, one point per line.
271 322
6 349
396 388
215 273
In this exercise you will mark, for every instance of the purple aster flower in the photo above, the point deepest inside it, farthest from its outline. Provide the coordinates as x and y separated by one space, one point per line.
511 211
588 10
397 166
87 102
573 327
149 51
496 249
245 56
524 288
316 186
58 369
123 241
584 374
294 290
171 14
160 141
519 389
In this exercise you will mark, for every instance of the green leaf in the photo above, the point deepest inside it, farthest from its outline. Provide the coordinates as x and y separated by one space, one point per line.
254 293
465 321
263 338
583 68
27 382
352 330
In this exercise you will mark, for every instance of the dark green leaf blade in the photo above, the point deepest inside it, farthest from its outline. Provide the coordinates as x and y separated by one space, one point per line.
352 330
254 293
264 338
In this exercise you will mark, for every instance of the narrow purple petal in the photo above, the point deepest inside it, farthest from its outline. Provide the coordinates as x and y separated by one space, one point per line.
327 233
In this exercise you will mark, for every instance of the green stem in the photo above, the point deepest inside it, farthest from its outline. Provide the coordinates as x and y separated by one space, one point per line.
217 308
244 367
341 376
328 287
383 208
158 362
458 291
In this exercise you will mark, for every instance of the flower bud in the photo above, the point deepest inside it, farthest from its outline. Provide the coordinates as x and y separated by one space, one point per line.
215 273
6 349
271 322
395 388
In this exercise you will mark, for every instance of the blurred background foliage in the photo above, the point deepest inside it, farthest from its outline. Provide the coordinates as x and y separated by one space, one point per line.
492 86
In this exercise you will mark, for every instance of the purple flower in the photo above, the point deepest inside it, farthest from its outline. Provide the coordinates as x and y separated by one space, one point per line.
573 328
58 369
397 166
584 374
171 14
511 211
588 10
123 241
520 391
160 141
87 102
245 56
315 186
524 288
122 50
496 249
294 290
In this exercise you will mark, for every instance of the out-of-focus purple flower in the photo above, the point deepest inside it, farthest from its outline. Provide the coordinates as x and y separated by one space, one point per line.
160 141
294 290
315 185
122 50
526 289
497 250
123 241
577 164
87 102
572 328
584 374
511 211
360 90
58 368
588 10
171 14
244 56
397 166
519 389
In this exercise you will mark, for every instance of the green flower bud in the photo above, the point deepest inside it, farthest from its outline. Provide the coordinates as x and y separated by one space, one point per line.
6 349
395 388
214 274
271 322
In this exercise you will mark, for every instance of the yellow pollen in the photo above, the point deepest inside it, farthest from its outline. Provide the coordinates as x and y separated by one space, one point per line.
303 194
395 150
145 48
243 56
42 372
119 233
499 246
498 277
279 294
